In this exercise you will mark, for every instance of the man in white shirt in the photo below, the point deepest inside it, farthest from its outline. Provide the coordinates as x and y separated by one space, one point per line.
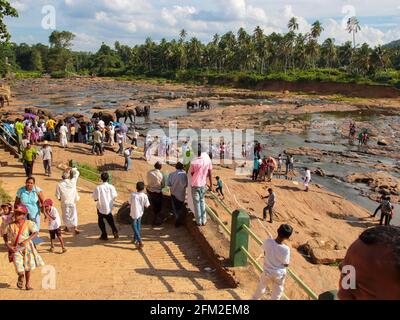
307 179
155 184
138 202
135 138
128 161
104 195
276 260
63 136
67 193
47 155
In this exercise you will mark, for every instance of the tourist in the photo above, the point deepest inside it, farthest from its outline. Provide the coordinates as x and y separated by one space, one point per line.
270 205
256 168
280 163
287 164
18 237
270 168
54 224
178 182
31 197
72 132
128 161
6 215
375 259
84 133
219 186
222 149
63 132
155 184
28 157
307 179
138 201
111 131
50 125
135 137
200 170
263 169
104 195
19 130
67 193
120 141
47 155
386 209
98 142
276 260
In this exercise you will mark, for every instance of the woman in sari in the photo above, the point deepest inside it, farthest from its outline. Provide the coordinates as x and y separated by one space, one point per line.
31 197
18 237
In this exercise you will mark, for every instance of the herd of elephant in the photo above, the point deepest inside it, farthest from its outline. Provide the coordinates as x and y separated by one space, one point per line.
126 114
202 104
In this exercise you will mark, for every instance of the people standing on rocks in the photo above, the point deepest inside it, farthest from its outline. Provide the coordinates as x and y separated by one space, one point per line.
270 205
28 157
47 155
105 195
200 170
138 202
31 196
18 237
307 179
178 182
155 184
352 130
63 133
276 261
54 224
374 257
67 193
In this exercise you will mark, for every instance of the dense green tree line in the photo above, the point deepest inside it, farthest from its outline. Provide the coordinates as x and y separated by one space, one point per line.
253 53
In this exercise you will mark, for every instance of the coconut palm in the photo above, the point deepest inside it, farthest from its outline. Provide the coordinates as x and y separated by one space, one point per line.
293 25
353 26
316 29
329 52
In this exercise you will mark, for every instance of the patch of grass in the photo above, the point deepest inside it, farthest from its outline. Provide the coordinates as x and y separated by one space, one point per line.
89 173
28 75
4 196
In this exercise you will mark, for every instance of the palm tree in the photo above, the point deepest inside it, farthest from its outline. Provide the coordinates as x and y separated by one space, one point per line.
329 52
353 26
316 29
293 25
312 51
261 46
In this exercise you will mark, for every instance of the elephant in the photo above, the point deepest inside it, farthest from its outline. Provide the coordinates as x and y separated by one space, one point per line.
142 112
106 117
191 105
127 113
3 99
204 104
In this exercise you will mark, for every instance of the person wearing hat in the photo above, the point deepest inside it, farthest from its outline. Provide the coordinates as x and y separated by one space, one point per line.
47 155
28 156
18 238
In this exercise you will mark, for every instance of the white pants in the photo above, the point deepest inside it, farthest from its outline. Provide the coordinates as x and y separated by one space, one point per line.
70 215
64 142
276 284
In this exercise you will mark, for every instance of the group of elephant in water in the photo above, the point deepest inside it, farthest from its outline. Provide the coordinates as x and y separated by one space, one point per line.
202 104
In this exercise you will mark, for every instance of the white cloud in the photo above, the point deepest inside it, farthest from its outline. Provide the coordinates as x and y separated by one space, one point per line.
19 6
177 13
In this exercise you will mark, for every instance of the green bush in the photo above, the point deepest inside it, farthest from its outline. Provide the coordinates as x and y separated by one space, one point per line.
61 74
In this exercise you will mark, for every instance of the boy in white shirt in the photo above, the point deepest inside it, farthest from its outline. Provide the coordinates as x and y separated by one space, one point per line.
138 202
277 257
54 225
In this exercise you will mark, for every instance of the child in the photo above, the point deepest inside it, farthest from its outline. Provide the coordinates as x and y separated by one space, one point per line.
51 213
6 216
277 257
138 202
219 187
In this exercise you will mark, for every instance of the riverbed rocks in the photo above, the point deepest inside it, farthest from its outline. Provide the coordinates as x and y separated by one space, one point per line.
382 142
321 251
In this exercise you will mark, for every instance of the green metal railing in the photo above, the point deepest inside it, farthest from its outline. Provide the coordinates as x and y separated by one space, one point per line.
254 236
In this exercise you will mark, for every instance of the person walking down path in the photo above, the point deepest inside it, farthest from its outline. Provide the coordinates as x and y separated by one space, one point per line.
219 187
98 142
276 260
54 224
178 182
63 133
104 195
47 155
200 170
270 205
155 184
128 161
32 198
138 201
67 193
18 237
256 168
28 156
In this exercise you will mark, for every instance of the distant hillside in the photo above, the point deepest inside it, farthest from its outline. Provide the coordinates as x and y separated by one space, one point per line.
393 44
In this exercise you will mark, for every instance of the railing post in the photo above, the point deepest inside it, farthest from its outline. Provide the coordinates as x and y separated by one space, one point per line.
239 238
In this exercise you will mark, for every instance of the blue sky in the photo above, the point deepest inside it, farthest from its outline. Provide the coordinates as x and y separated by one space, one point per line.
131 21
